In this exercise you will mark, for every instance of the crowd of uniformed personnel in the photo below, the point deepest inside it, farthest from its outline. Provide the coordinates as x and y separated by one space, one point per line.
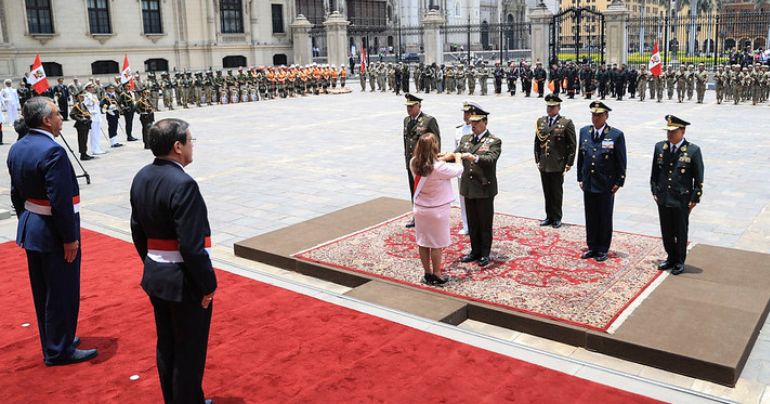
731 82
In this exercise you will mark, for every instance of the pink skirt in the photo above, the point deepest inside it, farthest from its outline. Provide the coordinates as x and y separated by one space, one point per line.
431 226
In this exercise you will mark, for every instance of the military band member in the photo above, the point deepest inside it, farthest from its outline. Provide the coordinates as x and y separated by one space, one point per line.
79 113
677 186
601 173
478 185
127 104
111 108
539 76
416 123
555 146
146 116
525 74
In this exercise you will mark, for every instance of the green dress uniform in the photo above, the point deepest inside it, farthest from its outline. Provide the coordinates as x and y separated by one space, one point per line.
676 181
478 185
555 147
413 129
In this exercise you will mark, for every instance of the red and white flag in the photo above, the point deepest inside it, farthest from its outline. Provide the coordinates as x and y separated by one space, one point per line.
125 74
37 78
363 60
656 67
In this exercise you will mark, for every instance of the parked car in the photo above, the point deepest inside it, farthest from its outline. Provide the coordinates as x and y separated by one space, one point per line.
410 57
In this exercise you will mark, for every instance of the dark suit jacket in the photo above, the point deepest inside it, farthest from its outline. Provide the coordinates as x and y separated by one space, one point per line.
677 178
479 179
413 130
557 149
601 164
166 204
40 169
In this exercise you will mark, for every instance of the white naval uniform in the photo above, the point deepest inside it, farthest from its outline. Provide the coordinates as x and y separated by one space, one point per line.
95 135
11 103
459 133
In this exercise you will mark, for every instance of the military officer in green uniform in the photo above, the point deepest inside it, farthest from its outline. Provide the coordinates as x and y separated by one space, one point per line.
416 124
601 173
555 146
479 151
677 186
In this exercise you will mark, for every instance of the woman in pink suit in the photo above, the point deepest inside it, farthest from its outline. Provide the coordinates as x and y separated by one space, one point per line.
432 204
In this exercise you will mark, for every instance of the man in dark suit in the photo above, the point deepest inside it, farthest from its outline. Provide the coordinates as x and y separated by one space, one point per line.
677 185
601 173
554 156
45 195
416 123
478 184
170 229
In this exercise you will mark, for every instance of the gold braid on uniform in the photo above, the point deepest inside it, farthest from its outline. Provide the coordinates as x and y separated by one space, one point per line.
544 143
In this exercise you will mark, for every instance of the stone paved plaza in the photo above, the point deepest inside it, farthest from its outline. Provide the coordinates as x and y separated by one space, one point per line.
262 166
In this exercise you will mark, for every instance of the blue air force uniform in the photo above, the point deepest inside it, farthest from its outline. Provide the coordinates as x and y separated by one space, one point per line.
45 195
676 182
601 166
170 229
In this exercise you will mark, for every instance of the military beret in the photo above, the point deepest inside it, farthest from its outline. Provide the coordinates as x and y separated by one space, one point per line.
674 123
598 107
477 113
412 99
552 100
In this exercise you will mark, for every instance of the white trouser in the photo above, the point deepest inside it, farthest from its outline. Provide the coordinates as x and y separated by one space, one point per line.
11 113
95 136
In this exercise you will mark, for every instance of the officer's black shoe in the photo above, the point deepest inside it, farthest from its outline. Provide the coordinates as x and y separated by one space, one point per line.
76 341
546 222
556 224
79 355
483 261
410 224
117 145
599 257
586 255
85 157
132 139
468 258
665 265
678 269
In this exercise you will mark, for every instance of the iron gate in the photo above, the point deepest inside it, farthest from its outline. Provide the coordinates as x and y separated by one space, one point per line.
577 32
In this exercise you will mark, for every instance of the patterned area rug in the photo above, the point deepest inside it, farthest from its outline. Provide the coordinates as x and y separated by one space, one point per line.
535 270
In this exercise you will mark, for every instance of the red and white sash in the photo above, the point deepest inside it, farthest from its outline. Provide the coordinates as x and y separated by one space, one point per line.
167 251
43 206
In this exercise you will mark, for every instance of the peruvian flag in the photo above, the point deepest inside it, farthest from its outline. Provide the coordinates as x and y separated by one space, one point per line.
363 60
37 78
656 68
125 74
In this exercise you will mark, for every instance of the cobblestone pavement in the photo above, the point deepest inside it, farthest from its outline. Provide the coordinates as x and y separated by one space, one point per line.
262 166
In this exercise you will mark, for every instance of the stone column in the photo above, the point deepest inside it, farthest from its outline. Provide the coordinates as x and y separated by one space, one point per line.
301 43
433 41
337 39
540 17
615 32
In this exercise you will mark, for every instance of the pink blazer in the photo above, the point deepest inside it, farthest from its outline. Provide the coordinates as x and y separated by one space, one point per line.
437 190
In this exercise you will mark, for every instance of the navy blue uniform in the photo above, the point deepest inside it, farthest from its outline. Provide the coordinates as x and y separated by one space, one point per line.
170 229
601 165
676 181
45 195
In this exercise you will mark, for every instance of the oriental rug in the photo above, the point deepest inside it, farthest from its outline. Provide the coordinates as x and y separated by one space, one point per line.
535 270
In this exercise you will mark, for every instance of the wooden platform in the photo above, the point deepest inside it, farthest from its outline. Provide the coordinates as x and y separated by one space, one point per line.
702 323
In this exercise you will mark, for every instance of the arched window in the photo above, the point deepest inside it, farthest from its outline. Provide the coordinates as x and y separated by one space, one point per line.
156 65
233 61
104 67
52 69
280 59
729 43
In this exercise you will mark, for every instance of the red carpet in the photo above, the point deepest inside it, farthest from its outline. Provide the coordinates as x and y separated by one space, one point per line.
533 269
267 345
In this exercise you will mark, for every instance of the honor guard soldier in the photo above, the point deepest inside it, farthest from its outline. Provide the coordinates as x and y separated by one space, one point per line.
677 186
555 146
701 78
127 109
478 184
601 172
146 116
539 75
110 106
416 124
45 195
82 118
